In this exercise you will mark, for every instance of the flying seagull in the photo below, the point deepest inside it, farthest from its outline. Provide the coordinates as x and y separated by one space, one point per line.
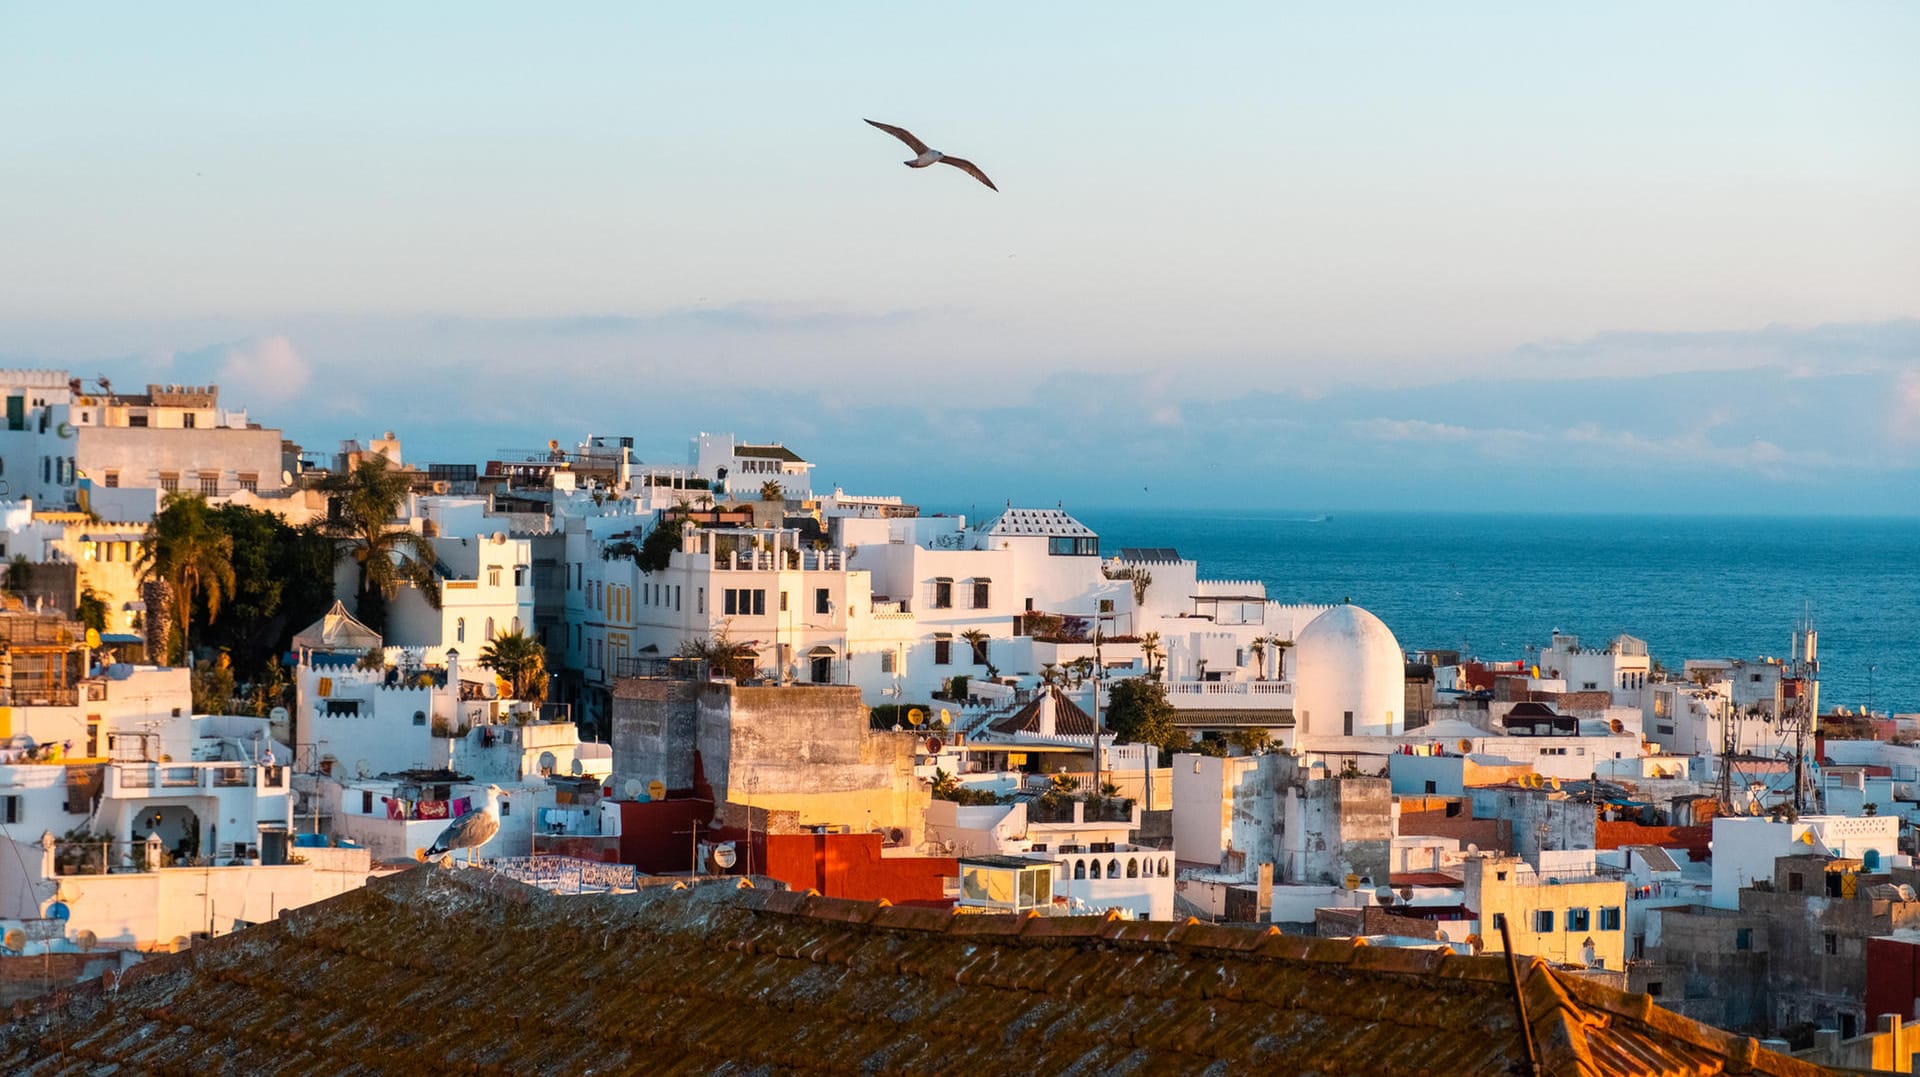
472 830
928 156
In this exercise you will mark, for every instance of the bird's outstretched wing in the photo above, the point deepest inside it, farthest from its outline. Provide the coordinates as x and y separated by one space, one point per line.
969 168
902 134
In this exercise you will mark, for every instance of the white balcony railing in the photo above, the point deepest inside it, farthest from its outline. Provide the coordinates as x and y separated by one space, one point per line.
169 779
1230 695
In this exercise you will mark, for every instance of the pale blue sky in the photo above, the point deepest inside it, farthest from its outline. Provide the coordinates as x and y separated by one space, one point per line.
628 218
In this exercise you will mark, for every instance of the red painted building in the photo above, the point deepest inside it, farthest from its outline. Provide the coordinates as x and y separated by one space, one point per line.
851 866
1893 975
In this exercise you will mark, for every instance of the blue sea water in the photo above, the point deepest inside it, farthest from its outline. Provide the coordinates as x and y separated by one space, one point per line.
1488 585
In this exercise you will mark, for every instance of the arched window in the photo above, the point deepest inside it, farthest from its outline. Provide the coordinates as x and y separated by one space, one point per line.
1079 869
460 630
1163 865
1113 868
1095 872
1133 868
516 626
1146 868
489 628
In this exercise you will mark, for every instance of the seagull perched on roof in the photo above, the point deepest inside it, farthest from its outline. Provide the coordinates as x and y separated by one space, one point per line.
472 830
928 156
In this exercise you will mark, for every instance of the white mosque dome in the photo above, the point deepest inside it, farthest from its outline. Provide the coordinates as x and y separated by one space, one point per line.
1349 676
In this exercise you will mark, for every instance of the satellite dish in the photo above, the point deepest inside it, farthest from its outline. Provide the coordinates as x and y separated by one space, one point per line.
93 638
286 478
916 716
277 714
1352 881
1386 895
1476 943
1465 745
934 745
1554 781
59 911
362 768
181 943
577 769
946 717
547 763
499 538
86 939
1473 847
657 790
1617 726
724 855
15 940
632 788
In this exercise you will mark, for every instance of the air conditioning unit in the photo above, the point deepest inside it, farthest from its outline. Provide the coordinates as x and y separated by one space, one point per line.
441 486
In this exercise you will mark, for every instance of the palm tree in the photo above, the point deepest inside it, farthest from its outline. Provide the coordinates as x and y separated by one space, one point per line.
976 639
1260 656
192 556
521 661
1049 673
1280 648
1150 650
772 491
368 499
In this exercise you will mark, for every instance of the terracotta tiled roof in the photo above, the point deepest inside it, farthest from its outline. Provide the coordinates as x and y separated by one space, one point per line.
460 971
1068 719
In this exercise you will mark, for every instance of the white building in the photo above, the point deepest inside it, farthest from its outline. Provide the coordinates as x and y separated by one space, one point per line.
1622 668
1744 849
1351 677
1095 866
743 469
485 576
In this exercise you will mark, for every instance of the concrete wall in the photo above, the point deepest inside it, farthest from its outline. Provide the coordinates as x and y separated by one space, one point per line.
805 750
152 908
1332 827
141 454
809 750
654 725
1542 818
1212 798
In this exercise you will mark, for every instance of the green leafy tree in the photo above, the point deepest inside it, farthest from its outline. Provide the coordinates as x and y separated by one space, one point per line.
1138 713
283 580
213 686
723 656
92 610
657 549
521 661
19 576
365 503
772 491
1251 740
184 548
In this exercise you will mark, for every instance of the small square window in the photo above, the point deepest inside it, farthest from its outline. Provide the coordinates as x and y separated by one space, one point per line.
1832 943
1543 921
